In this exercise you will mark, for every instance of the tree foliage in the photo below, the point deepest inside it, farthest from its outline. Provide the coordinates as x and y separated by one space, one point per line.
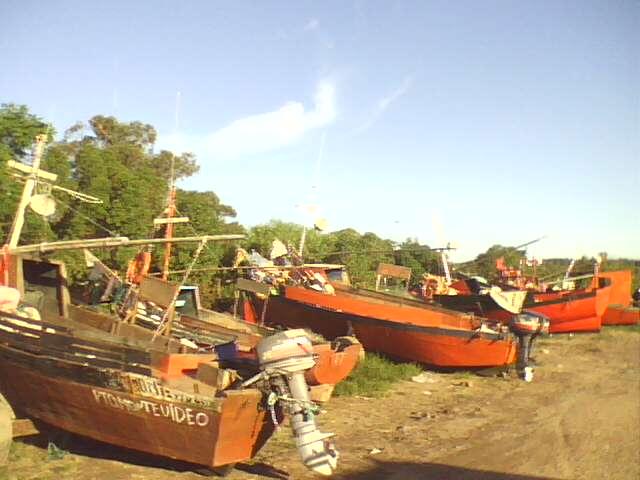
115 161
18 130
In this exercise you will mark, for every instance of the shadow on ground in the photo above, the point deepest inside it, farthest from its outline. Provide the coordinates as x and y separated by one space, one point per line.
379 470
426 471
87 447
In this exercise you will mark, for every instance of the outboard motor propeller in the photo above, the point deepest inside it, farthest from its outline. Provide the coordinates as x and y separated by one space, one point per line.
527 326
284 357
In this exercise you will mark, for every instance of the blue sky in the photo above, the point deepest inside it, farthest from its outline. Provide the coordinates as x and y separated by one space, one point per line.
472 122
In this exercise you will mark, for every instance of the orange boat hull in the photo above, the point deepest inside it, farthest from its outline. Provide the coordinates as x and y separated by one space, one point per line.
618 315
618 311
404 329
620 291
333 367
443 349
578 311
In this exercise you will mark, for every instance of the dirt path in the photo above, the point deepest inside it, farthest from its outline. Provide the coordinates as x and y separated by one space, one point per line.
579 419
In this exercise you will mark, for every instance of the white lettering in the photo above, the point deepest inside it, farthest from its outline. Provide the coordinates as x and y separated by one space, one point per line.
202 419
165 410
180 415
112 400
190 417
173 412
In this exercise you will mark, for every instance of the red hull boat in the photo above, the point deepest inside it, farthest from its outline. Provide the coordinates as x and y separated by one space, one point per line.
568 310
572 311
403 328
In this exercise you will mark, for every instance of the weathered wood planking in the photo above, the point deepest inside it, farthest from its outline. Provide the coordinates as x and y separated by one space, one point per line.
396 271
253 286
155 419
53 334
158 291
23 427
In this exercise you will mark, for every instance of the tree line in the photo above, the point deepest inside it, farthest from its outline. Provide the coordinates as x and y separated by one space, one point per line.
116 162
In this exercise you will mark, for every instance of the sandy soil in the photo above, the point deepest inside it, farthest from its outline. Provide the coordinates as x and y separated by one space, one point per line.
579 419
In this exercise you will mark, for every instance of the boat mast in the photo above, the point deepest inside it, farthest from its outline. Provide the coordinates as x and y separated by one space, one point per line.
168 233
445 265
27 191
169 220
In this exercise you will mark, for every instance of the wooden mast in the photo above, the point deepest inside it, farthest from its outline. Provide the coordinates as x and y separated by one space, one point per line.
109 242
168 233
27 192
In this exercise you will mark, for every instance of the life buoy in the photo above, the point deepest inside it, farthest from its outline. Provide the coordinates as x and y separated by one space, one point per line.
138 267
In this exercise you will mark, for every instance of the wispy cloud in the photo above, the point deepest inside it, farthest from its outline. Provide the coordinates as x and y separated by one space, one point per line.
312 24
261 132
384 103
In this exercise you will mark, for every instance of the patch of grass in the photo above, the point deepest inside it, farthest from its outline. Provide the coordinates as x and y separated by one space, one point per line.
374 376
20 451
621 328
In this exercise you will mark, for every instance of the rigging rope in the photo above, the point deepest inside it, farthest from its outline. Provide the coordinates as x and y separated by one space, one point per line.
89 219
165 317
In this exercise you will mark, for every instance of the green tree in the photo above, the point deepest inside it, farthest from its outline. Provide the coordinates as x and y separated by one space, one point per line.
485 263
18 130
419 258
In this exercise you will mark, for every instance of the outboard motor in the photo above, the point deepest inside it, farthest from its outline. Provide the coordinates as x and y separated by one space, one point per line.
284 357
527 326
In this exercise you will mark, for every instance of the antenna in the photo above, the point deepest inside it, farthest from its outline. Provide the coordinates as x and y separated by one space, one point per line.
176 124
320 223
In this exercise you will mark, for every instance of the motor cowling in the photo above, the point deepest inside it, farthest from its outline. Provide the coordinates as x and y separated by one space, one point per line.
529 323
284 357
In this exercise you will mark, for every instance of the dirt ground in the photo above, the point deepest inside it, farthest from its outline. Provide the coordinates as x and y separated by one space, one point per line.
578 419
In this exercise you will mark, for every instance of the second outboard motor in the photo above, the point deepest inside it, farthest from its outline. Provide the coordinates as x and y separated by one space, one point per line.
284 357
527 326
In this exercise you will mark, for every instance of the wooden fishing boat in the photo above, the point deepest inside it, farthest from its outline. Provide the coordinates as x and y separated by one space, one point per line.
104 388
128 390
402 328
572 310
87 372
73 370
568 310
494 304
334 360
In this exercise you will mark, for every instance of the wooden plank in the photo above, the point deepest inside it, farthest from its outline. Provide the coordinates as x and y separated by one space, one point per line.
396 271
69 245
52 177
6 319
251 286
172 220
94 359
66 346
24 427
158 291
20 342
